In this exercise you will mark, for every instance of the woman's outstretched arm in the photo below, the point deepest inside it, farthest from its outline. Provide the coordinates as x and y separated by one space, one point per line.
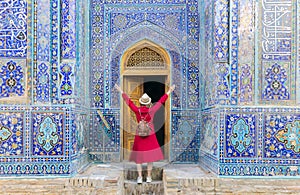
162 99
127 100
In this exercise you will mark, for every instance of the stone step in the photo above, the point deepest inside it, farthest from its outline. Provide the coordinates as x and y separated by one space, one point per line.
153 188
132 174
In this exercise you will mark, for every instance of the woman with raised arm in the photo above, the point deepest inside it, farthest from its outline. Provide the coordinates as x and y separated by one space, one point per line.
145 149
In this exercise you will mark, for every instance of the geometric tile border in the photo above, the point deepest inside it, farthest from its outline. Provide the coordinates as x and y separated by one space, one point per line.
255 141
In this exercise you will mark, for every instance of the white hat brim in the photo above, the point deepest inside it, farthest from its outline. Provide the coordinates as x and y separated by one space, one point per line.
145 103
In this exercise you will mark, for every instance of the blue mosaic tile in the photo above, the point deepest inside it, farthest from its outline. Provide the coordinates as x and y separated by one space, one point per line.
240 136
78 134
246 83
31 141
67 81
55 51
43 83
34 169
41 139
105 137
254 141
209 134
68 34
223 74
83 58
276 79
221 31
246 50
217 40
13 33
176 60
257 170
233 60
43 26
281 136
276 44
48 134
185 140
11 134
209 72
12 79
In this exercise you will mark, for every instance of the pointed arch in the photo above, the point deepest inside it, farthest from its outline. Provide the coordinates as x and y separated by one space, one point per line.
161 54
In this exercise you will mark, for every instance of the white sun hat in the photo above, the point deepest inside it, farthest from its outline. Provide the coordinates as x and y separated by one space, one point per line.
145 99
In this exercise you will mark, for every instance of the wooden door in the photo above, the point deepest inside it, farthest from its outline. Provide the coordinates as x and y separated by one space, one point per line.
133 86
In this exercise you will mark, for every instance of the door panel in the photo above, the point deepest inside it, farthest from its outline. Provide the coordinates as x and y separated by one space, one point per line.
134 88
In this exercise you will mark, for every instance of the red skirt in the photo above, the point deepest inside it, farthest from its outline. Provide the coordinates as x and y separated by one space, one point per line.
146 149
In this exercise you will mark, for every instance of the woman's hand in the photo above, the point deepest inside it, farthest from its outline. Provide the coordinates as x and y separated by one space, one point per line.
171 89
117 87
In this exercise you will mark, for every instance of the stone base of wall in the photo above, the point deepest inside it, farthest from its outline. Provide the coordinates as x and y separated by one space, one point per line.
191 179
95 180
178 179
58 187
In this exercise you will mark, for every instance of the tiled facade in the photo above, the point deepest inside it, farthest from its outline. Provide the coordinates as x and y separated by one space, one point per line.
43 105
235 64
256 132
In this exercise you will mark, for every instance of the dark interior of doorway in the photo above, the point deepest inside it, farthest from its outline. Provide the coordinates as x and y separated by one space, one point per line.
154 86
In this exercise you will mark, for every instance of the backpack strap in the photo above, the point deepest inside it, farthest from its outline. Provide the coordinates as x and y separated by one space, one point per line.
143 118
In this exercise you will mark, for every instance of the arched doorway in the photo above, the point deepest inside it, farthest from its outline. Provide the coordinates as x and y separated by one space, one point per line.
145 68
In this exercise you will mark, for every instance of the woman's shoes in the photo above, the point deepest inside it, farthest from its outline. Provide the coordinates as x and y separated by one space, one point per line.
139 180
149 180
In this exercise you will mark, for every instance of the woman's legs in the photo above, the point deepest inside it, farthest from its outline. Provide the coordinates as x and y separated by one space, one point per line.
139 169
149 168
